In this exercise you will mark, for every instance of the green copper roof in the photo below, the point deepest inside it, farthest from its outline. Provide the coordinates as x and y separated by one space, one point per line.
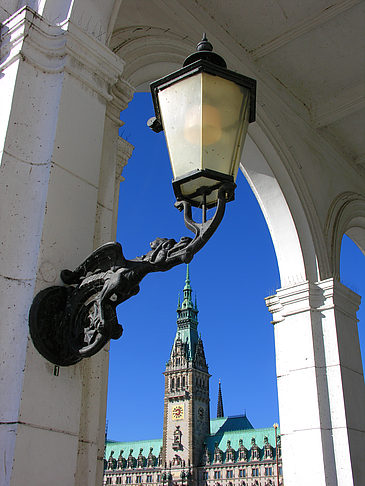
234 436
222 429
135 445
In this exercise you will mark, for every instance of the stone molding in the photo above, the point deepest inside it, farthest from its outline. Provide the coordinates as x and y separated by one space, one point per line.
124 153
26 36
122 93
90 61
307 296
57 49
338 296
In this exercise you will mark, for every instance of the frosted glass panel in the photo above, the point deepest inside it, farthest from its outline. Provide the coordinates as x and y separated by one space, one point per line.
181 112
225 119
205 119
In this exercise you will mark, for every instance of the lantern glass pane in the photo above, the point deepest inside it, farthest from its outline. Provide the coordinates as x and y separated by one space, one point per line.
205 119
224 123
181 112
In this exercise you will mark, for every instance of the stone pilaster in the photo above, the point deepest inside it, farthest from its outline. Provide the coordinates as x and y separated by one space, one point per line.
115 155
33 57
320 382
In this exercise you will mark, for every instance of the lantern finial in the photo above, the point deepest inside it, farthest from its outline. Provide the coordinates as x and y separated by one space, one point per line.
204 44
204 51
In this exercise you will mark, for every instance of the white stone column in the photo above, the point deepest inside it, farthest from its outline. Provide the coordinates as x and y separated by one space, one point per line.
32 71
56 84
320 384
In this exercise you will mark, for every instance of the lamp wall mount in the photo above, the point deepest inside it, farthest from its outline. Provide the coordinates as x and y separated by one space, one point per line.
76 320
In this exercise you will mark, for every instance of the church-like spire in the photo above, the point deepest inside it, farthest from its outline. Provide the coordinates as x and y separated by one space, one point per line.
187 319
220 412
187 302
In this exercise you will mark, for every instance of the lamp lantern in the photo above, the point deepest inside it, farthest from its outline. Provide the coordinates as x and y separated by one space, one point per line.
204 110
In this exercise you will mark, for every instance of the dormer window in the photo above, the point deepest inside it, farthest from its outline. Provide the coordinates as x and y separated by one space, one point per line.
229 452
218 454
268 451
255 451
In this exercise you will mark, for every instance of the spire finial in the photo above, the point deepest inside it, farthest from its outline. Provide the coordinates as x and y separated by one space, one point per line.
220 412
187 280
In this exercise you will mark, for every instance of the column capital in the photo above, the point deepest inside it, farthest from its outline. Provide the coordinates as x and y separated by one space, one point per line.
121 94
124 153
309 296
27 36
61 48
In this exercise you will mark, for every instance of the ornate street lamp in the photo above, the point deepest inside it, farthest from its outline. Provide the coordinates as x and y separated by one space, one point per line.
204 109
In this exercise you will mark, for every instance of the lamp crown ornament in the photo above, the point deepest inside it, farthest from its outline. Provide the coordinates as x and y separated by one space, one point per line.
204 50
204 110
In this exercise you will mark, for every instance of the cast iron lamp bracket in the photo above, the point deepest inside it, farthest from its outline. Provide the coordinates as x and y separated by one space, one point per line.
74 321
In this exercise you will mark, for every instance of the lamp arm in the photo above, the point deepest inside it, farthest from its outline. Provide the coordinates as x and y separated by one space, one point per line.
204 231
70 322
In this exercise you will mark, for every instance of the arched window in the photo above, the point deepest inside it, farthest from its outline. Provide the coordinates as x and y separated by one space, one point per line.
178 383
172 383
183 382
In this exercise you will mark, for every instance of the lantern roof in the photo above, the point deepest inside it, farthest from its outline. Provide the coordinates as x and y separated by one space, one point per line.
203 60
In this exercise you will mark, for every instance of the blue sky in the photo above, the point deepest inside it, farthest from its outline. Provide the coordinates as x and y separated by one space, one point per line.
231 276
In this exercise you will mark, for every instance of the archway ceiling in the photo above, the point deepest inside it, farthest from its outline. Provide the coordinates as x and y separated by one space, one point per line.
312 49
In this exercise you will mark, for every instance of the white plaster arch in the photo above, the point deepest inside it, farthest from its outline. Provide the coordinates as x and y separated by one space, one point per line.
149 53
346 215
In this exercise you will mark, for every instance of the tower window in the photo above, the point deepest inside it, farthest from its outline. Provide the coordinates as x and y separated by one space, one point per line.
230 474
217 474
172 383
183 382
178 383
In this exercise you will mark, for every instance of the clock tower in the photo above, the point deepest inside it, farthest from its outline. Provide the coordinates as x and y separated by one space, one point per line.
186 404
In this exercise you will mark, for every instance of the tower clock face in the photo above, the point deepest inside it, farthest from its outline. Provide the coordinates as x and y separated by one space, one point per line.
177 412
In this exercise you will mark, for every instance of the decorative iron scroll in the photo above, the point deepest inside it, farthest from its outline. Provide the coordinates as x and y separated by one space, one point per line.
72 322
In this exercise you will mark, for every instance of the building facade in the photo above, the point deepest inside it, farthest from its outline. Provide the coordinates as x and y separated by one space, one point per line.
195 449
